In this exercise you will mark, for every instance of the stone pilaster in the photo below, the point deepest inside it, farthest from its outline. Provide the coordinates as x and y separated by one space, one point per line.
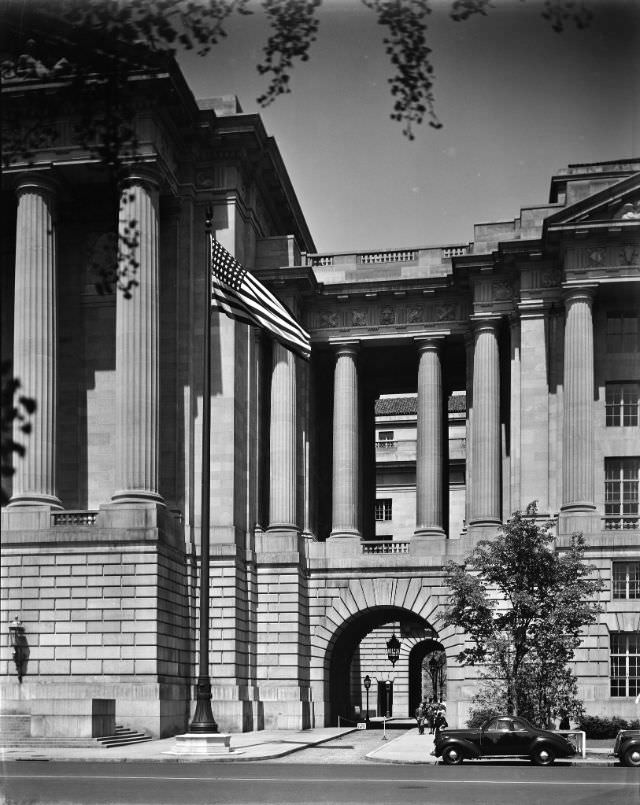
345 443
485 488
534 409
137 341
578 509
429 469
34 343
283 438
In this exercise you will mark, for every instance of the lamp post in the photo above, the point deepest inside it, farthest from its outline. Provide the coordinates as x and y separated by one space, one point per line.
19 645
367 684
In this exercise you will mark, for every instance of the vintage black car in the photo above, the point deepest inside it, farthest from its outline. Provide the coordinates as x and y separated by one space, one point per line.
627 747
503 736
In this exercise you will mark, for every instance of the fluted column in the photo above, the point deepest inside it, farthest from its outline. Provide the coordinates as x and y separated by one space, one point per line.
577 441
429 518
345 443
283 437
485 487
34 341
137 340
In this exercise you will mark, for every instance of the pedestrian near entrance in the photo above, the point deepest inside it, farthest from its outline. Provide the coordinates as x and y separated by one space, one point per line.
440 721
420 715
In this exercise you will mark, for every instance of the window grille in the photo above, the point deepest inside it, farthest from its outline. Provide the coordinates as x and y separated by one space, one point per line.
621 404
622 332
621 484
626 580
625 663
383 509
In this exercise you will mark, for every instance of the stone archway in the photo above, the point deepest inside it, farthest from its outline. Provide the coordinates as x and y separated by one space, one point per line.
420 654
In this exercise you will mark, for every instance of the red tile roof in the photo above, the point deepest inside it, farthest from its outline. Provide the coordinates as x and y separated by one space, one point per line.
407 406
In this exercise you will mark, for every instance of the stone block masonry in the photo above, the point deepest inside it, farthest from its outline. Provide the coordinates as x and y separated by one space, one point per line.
103 620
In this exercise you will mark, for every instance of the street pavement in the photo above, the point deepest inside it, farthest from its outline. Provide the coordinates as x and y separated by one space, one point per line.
321 745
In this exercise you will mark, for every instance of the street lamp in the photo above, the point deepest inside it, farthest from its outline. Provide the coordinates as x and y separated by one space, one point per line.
393 649
435 672
19 645
367 685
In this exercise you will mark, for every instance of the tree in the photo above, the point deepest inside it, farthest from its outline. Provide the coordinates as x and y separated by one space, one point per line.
523 605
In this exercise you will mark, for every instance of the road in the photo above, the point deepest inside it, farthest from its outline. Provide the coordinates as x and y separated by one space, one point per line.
148 783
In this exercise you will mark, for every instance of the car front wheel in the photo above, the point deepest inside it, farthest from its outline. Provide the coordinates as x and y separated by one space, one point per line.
542 756
632 756
452 756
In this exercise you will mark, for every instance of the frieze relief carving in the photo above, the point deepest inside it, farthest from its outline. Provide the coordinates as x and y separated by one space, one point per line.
416 314
501 290
358 318
387 315
551 278
328 319
595 257
211 178
445 311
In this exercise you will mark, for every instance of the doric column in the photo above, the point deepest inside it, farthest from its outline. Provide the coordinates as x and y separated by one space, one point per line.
345 443
429 441
34 342
137 340
577 441
283 436
485 487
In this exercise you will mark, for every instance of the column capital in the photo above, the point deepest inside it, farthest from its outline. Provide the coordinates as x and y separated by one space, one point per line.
426 343
483 322
146 175
345 347
37 181
582 291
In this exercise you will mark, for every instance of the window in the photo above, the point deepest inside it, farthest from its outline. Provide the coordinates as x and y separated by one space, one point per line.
622 404
383 509
386 439
622 332
626 579
625 663
621 482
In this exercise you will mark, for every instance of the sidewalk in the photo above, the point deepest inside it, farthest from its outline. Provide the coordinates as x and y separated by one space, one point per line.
411 747
259 745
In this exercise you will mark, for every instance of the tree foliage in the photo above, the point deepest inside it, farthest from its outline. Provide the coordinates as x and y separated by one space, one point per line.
16 411
523 606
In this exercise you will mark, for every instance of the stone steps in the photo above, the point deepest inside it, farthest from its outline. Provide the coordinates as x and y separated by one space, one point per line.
123 736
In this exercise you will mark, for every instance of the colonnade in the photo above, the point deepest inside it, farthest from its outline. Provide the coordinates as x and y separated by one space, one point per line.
137 388
137 340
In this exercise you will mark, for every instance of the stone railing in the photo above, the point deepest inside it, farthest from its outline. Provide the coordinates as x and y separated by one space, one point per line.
384 546
73 518
454 251
387 257
621 523
322 260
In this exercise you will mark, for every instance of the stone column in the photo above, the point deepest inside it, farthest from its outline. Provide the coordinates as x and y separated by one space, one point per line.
137 340
485 488
429 442
345 443
282 440
577 440
34 341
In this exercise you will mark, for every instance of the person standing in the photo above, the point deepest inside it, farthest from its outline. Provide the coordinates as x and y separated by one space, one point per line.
420 715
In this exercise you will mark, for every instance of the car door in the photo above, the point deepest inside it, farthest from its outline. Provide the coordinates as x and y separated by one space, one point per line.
521 737
497 736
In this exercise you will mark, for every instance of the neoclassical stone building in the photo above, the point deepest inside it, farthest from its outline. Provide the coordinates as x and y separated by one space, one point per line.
536 320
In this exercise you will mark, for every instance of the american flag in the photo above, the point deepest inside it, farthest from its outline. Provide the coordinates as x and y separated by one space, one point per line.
241 296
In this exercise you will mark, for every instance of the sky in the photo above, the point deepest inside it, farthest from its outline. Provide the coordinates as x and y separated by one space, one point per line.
518 102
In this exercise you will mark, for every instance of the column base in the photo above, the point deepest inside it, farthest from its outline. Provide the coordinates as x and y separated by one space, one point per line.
137 496
344 533
428 532
584 519
485 528
50 502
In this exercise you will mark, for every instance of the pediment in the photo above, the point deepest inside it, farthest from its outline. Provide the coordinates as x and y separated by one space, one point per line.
616 206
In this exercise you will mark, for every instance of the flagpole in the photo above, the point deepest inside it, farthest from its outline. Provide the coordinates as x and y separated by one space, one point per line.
203 721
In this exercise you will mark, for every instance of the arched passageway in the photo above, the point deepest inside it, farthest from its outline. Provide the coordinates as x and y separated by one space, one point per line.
427 673
359 650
